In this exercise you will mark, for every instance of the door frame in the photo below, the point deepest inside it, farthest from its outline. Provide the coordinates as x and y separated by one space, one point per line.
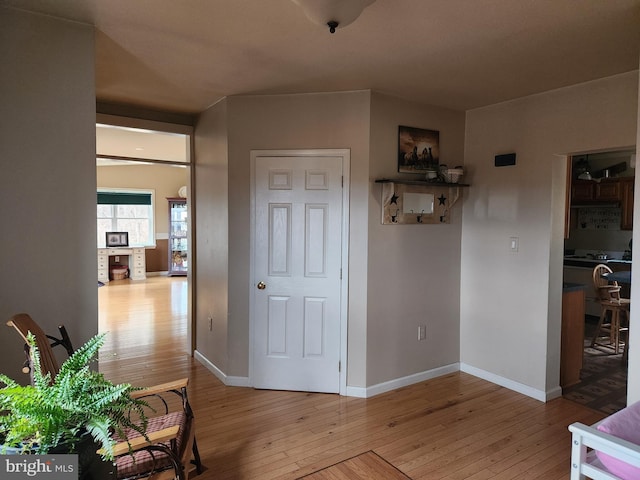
345 153
183 129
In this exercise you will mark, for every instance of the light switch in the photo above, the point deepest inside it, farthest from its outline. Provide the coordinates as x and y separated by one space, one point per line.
514 241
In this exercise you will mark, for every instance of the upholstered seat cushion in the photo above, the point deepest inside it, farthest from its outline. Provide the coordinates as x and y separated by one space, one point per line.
624 424
131 465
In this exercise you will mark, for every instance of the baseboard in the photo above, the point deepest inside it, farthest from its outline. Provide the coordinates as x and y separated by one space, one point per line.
228 380
157 274
367 392
505 382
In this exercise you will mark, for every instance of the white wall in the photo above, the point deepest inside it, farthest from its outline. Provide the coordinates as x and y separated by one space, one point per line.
48 179
414 270
511 302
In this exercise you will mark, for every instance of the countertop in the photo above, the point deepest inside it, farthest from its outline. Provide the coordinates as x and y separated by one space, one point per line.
573 287
580 261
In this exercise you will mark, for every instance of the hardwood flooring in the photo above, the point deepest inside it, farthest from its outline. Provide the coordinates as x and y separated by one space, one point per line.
454 427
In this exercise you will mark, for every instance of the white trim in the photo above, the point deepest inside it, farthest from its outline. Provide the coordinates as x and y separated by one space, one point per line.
505 382
553 393
229 381
143 124
158 274
367 392
345 153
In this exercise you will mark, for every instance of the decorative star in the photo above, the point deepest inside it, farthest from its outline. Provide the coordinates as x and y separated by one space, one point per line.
442 199
394 199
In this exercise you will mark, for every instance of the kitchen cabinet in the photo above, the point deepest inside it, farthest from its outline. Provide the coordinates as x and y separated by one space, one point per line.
617 190
626 187
582 191
608 190
178 247
590 191
572 334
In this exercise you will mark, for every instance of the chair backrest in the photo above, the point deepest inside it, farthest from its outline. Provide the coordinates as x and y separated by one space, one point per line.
24 324
605 290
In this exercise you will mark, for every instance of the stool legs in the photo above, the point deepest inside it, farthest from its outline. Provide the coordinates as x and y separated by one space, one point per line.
613 327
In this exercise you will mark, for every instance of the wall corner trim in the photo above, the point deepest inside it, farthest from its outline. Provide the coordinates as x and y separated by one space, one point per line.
228 380
366 392
507 383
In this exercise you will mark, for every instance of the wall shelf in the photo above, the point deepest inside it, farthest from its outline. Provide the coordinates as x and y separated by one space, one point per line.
406 202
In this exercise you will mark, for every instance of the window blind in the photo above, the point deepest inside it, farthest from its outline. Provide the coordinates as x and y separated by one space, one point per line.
123 198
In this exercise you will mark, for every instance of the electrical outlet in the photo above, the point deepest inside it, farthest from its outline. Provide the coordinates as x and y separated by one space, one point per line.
422 332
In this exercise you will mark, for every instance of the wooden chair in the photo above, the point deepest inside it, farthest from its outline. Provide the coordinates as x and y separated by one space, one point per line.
170 451
611 323
24 324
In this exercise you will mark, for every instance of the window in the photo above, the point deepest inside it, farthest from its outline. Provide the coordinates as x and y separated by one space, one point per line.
126 210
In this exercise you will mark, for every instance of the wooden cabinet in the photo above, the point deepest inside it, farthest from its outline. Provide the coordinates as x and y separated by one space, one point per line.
582 191
590 191
572 336
608 190
178 247
626 192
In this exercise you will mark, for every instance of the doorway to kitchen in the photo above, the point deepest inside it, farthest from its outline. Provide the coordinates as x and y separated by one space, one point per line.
143 175
598 231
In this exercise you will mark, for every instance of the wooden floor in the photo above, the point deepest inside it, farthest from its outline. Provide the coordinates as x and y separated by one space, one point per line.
454 427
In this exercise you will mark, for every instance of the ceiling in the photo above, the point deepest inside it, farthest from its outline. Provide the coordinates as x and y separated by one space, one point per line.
184 55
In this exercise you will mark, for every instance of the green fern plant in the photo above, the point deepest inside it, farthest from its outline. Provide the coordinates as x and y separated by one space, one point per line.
55 413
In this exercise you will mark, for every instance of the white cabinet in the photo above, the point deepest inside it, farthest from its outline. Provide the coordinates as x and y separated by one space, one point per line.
135 259
139 270
103 265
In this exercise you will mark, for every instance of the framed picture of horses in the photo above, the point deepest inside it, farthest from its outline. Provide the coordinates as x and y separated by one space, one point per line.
418 150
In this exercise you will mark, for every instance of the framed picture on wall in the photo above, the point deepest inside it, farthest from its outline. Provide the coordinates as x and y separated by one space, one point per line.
117 239
418 150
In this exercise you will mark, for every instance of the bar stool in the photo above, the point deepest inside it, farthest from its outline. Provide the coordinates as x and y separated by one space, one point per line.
614 307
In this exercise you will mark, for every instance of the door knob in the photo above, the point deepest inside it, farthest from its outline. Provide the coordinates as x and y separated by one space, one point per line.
262 285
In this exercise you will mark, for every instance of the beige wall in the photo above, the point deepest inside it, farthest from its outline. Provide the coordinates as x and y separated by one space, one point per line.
165 180
422 263
47 155
212 237
275 122
511 302
413 273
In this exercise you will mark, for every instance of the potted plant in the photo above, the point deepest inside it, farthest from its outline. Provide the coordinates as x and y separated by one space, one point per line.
77 410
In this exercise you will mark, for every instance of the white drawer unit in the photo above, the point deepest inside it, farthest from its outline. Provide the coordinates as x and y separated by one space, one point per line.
137 268
135 259
103 265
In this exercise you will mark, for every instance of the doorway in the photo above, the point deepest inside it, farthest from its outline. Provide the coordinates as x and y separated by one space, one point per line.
131 159
598 230
299 270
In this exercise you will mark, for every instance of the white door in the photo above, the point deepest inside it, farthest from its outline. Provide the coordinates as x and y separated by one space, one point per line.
297 273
